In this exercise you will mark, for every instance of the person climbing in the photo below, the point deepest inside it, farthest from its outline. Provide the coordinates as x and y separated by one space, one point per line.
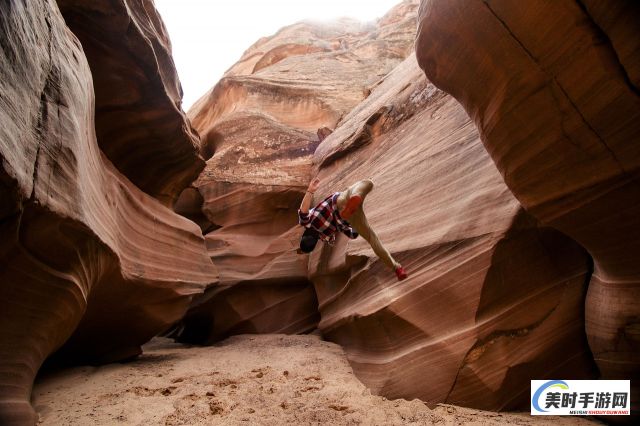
341 212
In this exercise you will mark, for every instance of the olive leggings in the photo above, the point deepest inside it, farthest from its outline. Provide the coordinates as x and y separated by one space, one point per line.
359 221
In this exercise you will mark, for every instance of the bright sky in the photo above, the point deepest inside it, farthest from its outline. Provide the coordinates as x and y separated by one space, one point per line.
208 36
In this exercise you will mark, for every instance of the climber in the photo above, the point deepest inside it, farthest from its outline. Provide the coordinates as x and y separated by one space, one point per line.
331 215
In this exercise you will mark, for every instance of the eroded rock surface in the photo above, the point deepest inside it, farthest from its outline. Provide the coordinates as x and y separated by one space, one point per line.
139 121
553 88
493 299
82 247
262 122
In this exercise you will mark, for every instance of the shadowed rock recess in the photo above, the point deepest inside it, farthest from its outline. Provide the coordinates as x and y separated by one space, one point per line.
86 256
553 87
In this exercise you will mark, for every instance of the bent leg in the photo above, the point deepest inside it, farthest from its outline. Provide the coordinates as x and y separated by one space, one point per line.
359 222
361 188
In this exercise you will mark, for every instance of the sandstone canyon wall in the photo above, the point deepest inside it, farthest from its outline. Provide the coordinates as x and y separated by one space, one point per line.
508 210
493 299
263 121
553 87
139 121
87 257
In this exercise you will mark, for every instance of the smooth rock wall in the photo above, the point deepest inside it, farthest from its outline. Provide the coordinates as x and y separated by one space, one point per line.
82 249
140 124
553 89
493 298
260 126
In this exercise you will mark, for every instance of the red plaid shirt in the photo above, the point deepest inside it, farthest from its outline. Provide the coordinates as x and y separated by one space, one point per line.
325 219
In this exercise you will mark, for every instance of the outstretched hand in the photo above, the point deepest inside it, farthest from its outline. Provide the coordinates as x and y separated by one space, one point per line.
314 185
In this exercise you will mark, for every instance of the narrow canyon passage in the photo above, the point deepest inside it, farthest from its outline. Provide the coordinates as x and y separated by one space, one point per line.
503 142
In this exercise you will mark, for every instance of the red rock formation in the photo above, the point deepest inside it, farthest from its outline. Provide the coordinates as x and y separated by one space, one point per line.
79 240
262 121
553 88
244 309
492 299
138 94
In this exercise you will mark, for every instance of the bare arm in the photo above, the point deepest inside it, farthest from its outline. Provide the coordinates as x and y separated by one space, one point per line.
361 225
308 197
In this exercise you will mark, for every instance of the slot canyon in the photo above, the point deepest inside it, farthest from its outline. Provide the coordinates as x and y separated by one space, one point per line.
149 255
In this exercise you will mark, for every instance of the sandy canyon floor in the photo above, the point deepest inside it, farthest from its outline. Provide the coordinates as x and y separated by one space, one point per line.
248 380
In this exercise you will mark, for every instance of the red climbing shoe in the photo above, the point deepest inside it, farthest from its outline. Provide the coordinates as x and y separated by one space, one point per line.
352 205
401 273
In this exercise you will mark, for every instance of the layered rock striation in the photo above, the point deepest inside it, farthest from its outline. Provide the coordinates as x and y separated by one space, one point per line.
261 124
493 298
553 89
85 254
507 265
140 124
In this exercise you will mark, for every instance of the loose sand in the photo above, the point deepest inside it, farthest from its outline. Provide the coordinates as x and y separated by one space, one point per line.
248 380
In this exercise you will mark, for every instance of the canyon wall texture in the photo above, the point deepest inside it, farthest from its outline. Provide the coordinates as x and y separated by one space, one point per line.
493 298
140 125
261 124
86 256
516 212
553 87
